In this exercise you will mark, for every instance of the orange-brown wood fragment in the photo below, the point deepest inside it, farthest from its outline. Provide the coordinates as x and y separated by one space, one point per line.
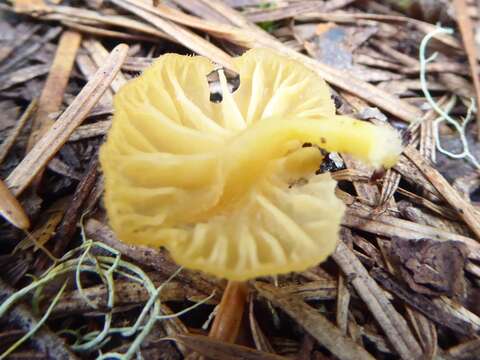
52 94
226 325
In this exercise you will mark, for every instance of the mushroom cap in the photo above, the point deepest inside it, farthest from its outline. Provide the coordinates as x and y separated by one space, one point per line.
217 184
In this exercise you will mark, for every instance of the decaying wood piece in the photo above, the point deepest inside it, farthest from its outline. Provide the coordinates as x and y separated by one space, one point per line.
314 323
394 326
59 133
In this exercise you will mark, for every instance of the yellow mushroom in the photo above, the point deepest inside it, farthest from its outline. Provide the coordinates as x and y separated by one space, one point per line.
212 182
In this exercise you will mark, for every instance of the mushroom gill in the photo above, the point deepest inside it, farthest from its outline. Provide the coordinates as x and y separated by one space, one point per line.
212 182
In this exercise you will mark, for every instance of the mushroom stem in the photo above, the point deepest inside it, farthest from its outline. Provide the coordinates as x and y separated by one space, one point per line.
226 324
377 145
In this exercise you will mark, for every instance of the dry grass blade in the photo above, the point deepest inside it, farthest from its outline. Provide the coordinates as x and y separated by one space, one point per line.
219 350
182 35
465 210
315 324
394 326
59 133
467 30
